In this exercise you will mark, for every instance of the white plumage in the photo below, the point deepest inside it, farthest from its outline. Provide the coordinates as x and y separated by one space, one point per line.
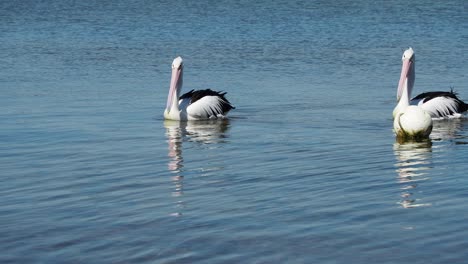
441 105
207 107
412 123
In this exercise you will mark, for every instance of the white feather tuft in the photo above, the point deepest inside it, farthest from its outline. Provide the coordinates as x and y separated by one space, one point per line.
439 107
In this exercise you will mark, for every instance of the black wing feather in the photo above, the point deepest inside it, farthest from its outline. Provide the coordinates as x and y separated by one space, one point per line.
194 96
427 96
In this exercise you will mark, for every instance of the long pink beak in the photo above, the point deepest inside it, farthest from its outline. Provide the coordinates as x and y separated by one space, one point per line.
175 84
403 77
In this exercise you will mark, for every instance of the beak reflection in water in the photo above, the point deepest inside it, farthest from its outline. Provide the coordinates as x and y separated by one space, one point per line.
413 162
202 136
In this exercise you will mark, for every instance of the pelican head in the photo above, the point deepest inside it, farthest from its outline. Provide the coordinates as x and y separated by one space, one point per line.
177 63
407 76
175 86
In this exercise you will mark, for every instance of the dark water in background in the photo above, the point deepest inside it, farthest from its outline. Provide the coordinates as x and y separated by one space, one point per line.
306 170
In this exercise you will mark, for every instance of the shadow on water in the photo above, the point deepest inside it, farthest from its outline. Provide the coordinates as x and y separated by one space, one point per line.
413 162
199 133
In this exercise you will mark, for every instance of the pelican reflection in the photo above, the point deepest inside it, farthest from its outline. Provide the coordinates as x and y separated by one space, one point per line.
413 162
447 129
201 133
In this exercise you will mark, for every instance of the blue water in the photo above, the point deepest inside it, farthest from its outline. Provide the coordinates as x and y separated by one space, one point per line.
306 170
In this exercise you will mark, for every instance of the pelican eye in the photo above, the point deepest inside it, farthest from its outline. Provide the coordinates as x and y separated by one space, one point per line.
174 66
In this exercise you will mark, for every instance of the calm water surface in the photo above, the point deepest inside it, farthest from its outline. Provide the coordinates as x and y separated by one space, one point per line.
306 170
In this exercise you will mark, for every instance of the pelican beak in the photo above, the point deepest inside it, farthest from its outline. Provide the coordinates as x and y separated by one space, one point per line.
403 77
176 82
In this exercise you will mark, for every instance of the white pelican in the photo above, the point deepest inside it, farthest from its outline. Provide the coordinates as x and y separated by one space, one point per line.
411 121
194 105
438 104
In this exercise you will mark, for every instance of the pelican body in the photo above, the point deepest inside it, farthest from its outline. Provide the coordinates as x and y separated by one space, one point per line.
438 104
413 123
193 105
410 121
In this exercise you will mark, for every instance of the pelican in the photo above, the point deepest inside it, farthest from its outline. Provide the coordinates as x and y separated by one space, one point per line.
193 105
411 121
438 104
